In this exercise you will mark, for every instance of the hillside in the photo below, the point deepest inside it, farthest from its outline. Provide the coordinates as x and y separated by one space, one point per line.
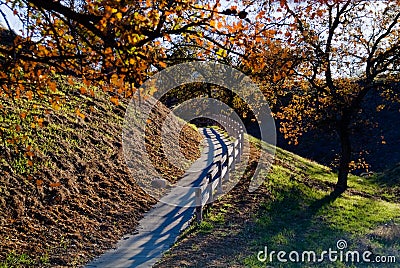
294 211
66 193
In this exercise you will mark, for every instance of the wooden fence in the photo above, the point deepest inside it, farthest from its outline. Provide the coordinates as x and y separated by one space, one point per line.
218 170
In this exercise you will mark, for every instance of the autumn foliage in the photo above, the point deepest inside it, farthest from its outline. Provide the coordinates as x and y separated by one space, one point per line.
321 57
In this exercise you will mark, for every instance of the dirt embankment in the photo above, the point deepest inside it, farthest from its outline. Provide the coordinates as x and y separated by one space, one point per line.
79 197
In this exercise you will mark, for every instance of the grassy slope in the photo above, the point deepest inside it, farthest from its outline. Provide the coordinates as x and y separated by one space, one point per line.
292 211
76 197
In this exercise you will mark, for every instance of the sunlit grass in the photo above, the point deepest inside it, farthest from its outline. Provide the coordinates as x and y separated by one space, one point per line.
299 217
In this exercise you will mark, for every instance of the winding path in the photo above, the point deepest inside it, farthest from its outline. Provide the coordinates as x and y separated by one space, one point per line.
161 226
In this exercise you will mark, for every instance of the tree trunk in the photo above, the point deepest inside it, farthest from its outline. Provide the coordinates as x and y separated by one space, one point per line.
344 166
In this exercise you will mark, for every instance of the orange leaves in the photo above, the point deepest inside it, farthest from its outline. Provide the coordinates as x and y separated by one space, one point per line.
277 76
79 114
168 37
320 12
29 152
108 51
162 64
23 115
114 100
136 34
70 81
12 141
271 33
260 14
40 121
82 90
37 122
117 80
86 82
29 95
108 12
55 103
52 86
360 163
55 184
212 23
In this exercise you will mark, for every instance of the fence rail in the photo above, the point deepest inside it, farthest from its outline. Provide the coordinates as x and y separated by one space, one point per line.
220 168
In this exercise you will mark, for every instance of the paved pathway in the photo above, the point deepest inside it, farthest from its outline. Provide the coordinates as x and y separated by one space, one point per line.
160 227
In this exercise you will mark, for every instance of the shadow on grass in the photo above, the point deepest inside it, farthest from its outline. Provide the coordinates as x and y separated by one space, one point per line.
390 177
294 222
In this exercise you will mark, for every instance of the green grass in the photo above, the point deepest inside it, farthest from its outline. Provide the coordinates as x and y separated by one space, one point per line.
23 260
205 227
299 217
14 260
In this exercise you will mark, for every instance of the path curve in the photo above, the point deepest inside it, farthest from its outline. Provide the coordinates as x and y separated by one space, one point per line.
160 227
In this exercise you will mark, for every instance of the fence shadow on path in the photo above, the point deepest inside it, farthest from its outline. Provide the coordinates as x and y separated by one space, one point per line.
161 226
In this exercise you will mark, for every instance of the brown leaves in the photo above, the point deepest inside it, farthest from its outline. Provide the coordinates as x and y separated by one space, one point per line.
29 154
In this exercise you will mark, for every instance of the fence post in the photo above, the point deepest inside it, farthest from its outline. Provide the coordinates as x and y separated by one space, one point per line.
210 189
227 165
234 157
239 147
219 189
242 139
199 205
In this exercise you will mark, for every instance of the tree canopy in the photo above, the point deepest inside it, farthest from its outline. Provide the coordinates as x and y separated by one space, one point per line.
325 55
343 49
